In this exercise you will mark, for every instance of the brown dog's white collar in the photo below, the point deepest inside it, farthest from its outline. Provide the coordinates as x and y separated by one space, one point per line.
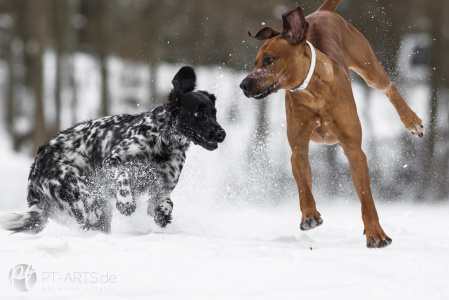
306 81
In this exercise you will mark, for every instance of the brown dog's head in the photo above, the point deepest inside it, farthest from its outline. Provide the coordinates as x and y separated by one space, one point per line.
279 65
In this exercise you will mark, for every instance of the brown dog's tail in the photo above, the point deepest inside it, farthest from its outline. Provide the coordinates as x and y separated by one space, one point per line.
329 5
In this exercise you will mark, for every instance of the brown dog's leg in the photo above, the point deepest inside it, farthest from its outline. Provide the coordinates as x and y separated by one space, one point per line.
348 130
361 59
375 236
300 124
311 218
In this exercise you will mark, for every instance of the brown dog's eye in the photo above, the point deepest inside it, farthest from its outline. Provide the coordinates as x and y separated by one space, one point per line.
199 114
268 60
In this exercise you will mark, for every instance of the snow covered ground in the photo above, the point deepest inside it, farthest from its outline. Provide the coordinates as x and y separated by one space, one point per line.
222 250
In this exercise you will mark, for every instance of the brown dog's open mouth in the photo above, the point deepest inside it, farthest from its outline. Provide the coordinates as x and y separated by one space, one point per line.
273 87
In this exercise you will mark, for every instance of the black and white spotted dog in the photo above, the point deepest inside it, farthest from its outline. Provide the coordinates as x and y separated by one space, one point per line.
79 174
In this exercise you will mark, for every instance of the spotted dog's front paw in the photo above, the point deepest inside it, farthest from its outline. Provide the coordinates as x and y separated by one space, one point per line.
125 202
162 213
166 207
126 208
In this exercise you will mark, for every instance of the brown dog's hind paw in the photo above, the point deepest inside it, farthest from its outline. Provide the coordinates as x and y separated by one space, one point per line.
379 243
418 131
413 124
310 223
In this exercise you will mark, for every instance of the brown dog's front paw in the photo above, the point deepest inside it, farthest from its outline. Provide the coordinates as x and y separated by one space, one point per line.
310 223
379 243
377 240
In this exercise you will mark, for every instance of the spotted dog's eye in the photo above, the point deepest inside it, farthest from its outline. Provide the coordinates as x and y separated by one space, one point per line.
268 60
198 114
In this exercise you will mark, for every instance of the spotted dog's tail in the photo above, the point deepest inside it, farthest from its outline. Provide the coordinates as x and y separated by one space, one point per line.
329 5
32 221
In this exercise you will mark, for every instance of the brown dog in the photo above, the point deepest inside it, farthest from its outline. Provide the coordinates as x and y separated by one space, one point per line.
319 102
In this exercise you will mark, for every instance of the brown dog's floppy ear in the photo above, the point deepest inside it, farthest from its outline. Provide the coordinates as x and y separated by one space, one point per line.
265 33
295 26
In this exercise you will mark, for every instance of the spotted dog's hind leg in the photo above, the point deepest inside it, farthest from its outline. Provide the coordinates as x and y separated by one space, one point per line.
126 204
70 194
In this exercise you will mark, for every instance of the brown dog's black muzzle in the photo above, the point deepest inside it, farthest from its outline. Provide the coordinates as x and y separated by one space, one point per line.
245 85
251 88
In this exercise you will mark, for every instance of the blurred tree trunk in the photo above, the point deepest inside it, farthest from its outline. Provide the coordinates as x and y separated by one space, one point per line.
10 111
153 84
59 22
71 38
38 27
445 85
104 85
103 38
430 182
73 85
10 55
152 40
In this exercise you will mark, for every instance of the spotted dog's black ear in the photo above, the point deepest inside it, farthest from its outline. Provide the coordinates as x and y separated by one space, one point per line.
185 80
210 96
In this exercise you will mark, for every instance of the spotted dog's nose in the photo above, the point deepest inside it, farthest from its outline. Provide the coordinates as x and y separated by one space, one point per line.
220 135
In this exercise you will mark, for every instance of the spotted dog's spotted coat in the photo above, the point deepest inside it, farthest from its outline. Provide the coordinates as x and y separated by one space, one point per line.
85 158
82 171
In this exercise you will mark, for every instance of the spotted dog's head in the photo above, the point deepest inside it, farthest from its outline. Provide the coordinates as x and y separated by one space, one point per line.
279 63
195 112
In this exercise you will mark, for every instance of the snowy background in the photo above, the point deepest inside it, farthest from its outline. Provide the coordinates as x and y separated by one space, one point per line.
235 231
